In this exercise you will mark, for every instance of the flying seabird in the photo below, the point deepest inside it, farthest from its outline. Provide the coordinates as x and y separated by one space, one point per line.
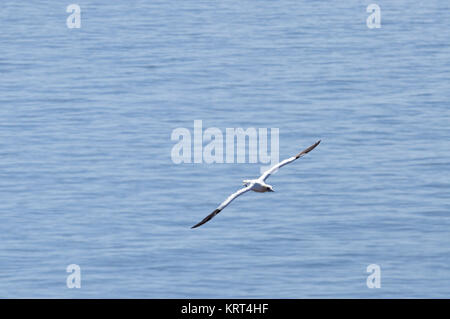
256 185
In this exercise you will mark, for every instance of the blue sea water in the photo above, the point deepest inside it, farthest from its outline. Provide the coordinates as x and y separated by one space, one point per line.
87 178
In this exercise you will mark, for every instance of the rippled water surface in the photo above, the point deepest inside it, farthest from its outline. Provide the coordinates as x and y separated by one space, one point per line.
87 178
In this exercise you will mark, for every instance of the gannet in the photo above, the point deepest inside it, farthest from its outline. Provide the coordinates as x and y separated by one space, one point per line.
256 185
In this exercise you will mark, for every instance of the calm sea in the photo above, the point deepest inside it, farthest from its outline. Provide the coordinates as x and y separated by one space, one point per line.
87 178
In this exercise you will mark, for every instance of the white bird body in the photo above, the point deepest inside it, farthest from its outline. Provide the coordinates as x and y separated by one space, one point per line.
256 185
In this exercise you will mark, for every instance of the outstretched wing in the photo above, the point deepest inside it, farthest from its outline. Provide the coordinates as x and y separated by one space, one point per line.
224 204
287 161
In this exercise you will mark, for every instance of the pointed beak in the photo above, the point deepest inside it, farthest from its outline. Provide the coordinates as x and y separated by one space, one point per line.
271 190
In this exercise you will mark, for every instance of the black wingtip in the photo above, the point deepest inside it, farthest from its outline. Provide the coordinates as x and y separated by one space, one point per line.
196 225
309 149
207 218
313 146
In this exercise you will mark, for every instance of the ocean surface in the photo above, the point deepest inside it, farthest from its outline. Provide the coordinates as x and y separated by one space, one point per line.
87 176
